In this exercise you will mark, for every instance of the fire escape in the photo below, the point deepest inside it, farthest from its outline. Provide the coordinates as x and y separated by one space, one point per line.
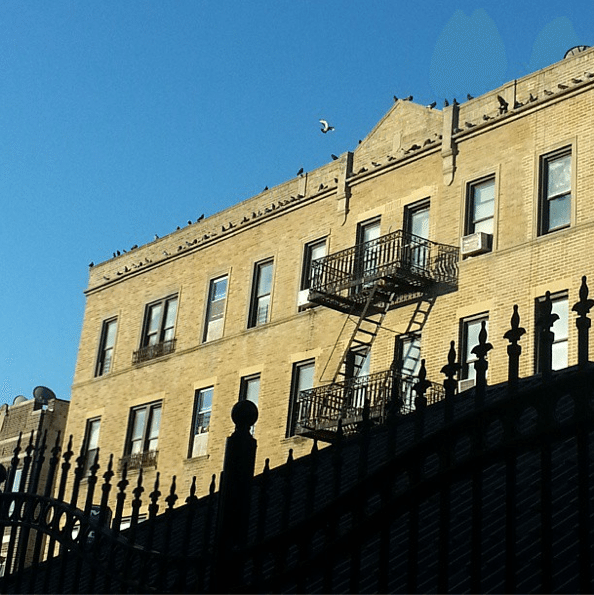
365 282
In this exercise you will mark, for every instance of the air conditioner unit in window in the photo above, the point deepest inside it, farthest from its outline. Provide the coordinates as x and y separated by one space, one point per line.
465 384
476 243
303 299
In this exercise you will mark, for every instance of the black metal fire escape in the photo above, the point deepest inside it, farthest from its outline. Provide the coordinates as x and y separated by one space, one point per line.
365 282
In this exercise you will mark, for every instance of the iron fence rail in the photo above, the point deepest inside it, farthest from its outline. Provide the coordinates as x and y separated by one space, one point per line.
152 351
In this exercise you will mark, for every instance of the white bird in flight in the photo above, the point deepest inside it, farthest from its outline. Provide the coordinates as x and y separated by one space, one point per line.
325 126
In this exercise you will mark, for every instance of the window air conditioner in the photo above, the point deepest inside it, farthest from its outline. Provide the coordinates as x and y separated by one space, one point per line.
303 299
465 384
476 243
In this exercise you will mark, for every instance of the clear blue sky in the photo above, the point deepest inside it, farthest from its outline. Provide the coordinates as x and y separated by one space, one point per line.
122 119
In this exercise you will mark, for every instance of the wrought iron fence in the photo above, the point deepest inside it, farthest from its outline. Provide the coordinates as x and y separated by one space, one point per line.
322 407
152 351
399 254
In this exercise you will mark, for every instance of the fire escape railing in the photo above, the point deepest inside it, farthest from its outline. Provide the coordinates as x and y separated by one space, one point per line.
408 259
152 351
320 408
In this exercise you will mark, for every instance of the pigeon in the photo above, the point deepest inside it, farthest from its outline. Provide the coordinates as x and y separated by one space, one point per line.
200 218
432 105
502 104
576 81
189 222
532 98
561 86
446 103
588 75
517 104
469 96
395 99
468 124
547 92
118 253
300 172
156 237
265 188
91 265
409 98
334 157
375 164
486 117
455 102
325 126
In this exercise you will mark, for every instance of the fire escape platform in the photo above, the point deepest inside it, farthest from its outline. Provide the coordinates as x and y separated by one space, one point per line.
398 266
321 408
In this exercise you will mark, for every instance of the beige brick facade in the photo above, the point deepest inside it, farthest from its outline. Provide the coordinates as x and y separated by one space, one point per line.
413 154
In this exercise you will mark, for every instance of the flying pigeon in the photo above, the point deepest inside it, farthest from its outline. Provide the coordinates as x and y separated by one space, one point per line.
325 126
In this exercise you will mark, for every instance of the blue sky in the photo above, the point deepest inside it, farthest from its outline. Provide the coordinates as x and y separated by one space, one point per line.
122 119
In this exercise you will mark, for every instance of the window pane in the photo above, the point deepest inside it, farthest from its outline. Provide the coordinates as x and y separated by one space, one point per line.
110 333
305 377
154 318
169 323
93 438
203 410
138 423
265 278
252 390
419 222
559 211
486 226
559 175
560 355
411 352
262 310
561 308
219 289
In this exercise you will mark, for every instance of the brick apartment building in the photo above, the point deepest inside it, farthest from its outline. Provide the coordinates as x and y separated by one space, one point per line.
342 279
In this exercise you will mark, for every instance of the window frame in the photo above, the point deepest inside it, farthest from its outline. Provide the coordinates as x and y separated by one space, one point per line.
257 294
196 448
544 200
556 297
104 348
308 250
208 320
296 388
470 220
90 450
145 437
467 371
161 328
411 210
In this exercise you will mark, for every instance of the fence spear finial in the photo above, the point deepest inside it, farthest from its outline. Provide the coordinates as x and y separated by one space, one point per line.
583 323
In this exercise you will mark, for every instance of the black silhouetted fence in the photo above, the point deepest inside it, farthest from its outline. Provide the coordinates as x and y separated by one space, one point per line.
488 493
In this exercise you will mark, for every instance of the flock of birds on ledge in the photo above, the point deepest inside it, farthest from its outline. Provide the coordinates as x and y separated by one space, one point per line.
502 108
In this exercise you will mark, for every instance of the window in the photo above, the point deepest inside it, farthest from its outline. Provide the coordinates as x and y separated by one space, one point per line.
91 443
555 191
470 328
416 223
480 203
302 379
408 361
262 288
143 435
215 311
108 334
249 390
366 259
313 251
201 421
158 334
560 303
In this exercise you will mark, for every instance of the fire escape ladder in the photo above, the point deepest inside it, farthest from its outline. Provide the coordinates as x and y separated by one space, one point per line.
364 333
